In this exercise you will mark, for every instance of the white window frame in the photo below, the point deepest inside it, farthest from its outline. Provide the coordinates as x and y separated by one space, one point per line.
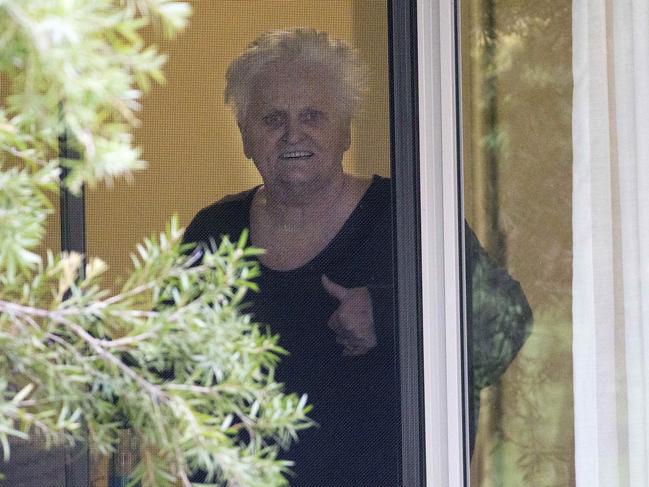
446 418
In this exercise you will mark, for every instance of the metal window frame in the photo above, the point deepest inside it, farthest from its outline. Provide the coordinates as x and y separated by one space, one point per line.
429 236
73 220
442 240
402 26
73 239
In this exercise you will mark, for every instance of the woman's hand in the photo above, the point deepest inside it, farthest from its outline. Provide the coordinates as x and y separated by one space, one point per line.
352 322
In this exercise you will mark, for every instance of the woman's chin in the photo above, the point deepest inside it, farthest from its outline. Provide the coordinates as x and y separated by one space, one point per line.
297 181
305 174
298 174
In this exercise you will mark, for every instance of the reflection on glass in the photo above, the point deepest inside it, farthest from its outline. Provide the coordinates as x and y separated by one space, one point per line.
517 86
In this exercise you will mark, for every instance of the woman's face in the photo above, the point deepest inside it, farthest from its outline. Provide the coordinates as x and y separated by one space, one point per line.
293 129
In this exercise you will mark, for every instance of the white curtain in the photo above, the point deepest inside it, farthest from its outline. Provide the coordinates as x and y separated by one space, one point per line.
611 242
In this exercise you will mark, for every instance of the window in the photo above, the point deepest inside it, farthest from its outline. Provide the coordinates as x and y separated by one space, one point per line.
194 147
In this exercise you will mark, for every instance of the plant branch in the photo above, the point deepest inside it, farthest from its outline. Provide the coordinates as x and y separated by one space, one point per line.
13 308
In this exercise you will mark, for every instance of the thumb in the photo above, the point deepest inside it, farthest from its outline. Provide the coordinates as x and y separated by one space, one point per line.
335 290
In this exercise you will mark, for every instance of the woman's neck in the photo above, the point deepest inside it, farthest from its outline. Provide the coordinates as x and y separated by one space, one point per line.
291 210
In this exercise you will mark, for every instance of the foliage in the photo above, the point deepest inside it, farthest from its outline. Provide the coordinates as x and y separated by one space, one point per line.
170 354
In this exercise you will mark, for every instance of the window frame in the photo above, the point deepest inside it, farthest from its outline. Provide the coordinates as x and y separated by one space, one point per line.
445 367
404 146
429 236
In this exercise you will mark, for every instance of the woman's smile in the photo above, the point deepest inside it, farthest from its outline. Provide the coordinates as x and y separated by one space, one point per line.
296 155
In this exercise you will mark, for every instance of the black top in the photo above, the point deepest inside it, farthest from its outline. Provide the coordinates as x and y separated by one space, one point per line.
356 400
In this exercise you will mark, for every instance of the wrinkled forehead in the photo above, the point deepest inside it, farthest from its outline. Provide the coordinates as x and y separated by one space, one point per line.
287 85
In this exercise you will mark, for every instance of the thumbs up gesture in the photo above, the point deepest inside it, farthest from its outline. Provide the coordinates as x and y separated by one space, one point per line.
352 322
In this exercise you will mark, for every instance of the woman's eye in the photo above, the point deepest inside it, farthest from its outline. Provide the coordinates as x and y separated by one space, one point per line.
312 115
273 120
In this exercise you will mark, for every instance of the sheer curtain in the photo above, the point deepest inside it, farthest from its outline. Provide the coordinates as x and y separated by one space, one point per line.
611 241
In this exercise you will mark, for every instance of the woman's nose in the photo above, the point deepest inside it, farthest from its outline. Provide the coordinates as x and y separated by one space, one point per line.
292 132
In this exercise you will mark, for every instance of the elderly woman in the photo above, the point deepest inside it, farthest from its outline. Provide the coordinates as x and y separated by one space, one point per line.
326 284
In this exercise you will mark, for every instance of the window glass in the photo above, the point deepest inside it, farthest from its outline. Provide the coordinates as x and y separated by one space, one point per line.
189 136
517 163
199 153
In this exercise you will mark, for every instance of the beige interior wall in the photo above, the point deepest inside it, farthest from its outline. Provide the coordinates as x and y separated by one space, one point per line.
525 431
189 137
371 134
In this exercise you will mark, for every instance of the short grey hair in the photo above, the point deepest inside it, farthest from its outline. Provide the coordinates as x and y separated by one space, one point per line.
305 45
